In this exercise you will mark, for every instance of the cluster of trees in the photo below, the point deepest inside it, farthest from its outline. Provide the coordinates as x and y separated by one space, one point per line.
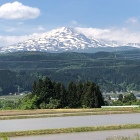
48 94
129 99
8 104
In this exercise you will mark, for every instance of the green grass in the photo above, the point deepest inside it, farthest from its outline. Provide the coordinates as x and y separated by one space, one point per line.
4 138
69 130
11 97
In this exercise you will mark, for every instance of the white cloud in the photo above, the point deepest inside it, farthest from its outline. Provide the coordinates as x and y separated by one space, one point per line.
10 40
17 10
122 35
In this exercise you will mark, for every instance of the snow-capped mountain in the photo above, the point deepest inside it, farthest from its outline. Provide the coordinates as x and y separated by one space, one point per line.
59 40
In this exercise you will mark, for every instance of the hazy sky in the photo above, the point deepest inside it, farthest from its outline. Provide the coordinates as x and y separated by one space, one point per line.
106 19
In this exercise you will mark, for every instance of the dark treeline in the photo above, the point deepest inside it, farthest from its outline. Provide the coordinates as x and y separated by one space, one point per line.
48 94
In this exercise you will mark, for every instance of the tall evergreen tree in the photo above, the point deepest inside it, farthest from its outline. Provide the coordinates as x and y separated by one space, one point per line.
48 90
72 95
63 97
92 96
80 95
57 87
100 97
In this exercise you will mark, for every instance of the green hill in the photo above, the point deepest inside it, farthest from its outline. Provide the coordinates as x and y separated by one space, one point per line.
112 71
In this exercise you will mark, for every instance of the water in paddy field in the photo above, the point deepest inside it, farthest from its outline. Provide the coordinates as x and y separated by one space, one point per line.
66 122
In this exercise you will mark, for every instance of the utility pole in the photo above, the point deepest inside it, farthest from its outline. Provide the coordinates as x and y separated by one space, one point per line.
18 89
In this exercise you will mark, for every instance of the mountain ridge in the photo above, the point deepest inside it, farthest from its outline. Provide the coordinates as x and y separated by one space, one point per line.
64 39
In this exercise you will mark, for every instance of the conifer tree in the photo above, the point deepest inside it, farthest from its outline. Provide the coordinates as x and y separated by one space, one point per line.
79 93
63 97
72 95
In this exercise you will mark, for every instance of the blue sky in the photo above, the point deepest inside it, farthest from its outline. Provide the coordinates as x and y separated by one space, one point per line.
25 17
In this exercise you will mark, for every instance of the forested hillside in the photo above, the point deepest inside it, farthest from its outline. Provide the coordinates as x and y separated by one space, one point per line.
114 71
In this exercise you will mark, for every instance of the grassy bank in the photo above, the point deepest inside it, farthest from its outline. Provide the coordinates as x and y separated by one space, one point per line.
23 114
69 130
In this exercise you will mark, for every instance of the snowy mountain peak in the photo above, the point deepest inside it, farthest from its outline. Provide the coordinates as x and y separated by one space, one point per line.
67 29
63 31
58 40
